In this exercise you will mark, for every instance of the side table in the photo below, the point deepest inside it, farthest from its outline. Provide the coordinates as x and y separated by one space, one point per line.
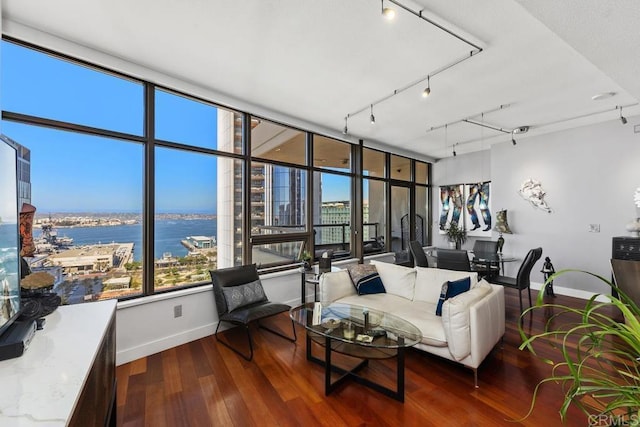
308 277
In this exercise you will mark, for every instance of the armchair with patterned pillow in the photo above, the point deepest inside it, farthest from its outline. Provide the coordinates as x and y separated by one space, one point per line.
240 300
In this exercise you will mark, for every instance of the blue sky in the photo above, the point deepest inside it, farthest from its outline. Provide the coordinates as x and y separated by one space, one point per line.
71 172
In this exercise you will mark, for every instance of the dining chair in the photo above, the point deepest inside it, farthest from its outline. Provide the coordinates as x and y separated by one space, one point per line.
485 258
454 259
522 280
419 257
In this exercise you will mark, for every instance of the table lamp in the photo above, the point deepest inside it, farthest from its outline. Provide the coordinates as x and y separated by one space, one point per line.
502 226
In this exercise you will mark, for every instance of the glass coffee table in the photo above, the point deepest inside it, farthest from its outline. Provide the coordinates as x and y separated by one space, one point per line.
358 332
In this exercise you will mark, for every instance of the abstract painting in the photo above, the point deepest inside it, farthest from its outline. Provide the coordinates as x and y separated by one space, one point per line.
478 219
451 206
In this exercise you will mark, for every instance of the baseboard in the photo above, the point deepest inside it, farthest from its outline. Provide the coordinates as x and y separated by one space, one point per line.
570 292
152 347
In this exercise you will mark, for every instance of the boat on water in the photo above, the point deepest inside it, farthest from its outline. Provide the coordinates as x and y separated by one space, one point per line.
49 241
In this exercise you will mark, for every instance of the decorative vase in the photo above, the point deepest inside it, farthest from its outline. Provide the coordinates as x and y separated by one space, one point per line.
452 244
26 230
634 228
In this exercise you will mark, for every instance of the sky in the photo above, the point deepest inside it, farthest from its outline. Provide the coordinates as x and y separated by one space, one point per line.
72 172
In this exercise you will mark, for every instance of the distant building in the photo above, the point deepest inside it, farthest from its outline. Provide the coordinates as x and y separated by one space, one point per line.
338 213
94 258
201 242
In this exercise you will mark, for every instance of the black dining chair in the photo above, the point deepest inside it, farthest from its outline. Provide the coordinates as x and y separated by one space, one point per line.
419 257
453 259
485 258
240 300
522 281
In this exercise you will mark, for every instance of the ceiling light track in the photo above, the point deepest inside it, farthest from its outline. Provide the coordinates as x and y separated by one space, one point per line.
538 126
476 50
435 24
484 125
413 83
471 119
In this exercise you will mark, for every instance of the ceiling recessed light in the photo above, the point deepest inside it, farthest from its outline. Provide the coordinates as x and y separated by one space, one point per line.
601 96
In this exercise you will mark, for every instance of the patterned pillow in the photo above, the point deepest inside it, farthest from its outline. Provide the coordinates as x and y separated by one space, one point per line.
242 295
450 289
366 279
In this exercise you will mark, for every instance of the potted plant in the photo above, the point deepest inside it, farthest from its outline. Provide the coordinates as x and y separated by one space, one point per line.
456 235
599 352
306 260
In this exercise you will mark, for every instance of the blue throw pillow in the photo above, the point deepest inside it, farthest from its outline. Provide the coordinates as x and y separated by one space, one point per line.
450 289
370 284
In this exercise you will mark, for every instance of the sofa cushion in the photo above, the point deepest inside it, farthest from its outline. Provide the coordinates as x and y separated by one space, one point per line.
423 316
335 285
241 295
455 319
398 280
366 279
451 289
429 282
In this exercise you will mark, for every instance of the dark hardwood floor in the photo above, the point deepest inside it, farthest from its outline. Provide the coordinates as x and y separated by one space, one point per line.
203 383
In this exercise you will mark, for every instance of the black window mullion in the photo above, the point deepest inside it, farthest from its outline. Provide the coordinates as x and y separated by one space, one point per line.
148 209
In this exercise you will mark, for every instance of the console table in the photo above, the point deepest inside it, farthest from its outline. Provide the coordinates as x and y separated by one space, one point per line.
66 377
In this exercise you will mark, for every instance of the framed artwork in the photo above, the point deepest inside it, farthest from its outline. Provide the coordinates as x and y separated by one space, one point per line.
478 215
451 206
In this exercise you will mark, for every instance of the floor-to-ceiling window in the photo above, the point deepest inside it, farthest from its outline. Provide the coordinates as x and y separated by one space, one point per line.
141 189
106 155
278 200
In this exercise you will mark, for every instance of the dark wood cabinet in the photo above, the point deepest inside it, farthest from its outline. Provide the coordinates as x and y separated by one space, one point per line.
626 248
97 402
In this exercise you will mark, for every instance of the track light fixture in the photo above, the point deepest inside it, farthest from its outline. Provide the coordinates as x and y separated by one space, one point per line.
387 12
427 91
346 122
623 119
372 118
513 141
454 149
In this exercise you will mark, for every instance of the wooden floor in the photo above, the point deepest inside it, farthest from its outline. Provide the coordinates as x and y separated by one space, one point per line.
203 383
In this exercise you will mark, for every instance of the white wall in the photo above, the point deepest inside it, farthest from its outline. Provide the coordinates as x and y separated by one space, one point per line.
589 175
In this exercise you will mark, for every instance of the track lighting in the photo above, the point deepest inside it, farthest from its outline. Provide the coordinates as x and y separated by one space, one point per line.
622 118
372 118
513 141
346 128
427 90
454 150
387 12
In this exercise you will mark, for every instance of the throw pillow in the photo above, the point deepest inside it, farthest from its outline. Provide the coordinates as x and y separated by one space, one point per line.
398 280
450 289
242 295
366 279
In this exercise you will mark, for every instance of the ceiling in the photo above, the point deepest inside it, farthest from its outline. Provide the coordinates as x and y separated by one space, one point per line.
314 62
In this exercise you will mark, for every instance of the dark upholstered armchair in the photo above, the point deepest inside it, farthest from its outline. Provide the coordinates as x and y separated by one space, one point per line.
240 300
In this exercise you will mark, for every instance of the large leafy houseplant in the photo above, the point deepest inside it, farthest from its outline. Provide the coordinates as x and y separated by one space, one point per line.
599 349
456 234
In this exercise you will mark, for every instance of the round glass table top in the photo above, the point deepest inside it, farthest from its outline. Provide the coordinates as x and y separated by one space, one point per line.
356 324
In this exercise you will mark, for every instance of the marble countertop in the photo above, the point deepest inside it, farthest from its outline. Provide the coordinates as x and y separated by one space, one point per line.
41 387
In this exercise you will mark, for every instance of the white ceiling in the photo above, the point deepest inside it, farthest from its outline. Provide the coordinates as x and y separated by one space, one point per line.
317 61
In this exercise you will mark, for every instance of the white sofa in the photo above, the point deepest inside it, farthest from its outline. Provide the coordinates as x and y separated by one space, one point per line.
471 323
